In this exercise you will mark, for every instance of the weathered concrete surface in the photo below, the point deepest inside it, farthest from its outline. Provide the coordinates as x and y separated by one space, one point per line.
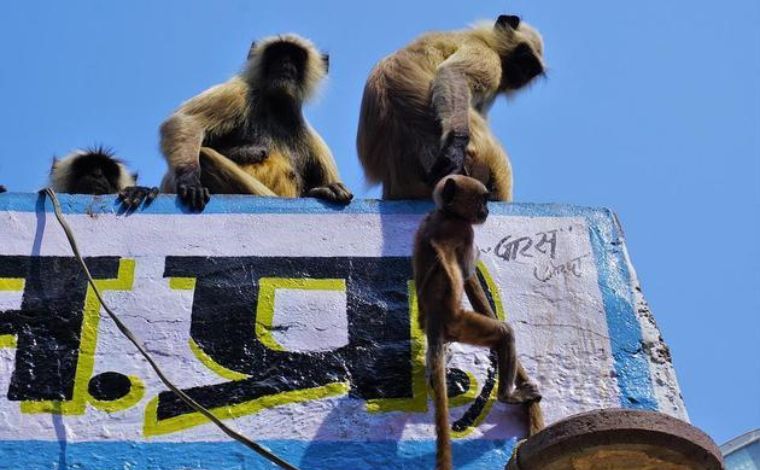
618 439
292 320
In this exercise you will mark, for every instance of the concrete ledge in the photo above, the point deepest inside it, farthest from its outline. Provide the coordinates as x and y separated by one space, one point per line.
294 320
619 439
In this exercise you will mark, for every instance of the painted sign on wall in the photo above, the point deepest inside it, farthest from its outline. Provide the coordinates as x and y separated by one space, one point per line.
294 321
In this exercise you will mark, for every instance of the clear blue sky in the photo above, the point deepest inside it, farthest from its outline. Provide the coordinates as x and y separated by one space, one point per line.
651 108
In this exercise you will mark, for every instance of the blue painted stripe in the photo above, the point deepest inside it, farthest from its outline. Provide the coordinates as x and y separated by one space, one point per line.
629 360
120 455
168 204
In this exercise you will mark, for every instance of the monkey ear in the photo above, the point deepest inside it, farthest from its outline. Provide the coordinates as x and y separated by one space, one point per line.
505 21
250 50
449 190
326 61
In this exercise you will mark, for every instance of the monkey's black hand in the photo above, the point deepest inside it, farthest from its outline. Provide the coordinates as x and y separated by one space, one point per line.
451 158
133 196
190 190
333 192
2 189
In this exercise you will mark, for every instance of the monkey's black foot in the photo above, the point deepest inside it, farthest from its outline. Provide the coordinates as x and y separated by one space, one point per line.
190 190
525 392
2 189
333 192
193 196
133 196
451 158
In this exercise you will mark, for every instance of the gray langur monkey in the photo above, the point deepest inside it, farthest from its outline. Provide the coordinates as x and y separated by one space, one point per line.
249 136
424 110
97 171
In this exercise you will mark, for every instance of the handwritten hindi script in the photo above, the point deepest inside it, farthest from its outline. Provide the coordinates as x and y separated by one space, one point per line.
550 270
541 250
511 248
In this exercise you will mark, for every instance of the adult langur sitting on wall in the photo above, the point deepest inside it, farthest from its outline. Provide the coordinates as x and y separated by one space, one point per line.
423 114
97 171
249 136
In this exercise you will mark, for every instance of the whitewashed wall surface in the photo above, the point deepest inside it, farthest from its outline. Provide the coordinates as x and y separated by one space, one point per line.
294 321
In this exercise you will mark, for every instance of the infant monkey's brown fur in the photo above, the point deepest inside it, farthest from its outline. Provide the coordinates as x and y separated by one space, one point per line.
444 259
424 110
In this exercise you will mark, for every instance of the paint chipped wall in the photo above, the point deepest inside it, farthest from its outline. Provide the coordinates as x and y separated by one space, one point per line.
294 321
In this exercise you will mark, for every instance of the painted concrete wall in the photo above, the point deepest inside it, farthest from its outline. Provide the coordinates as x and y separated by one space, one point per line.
293 320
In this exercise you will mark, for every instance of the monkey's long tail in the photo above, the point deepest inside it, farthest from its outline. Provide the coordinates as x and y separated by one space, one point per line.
258 448
536 417
535 413
437 367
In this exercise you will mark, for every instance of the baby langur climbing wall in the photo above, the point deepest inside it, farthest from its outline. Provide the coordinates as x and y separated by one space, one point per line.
444 258
249 135
423 114
97 171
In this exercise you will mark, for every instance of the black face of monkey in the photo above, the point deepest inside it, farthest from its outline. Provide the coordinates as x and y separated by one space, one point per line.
284 63
520 67
94 173
463 197
510 21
